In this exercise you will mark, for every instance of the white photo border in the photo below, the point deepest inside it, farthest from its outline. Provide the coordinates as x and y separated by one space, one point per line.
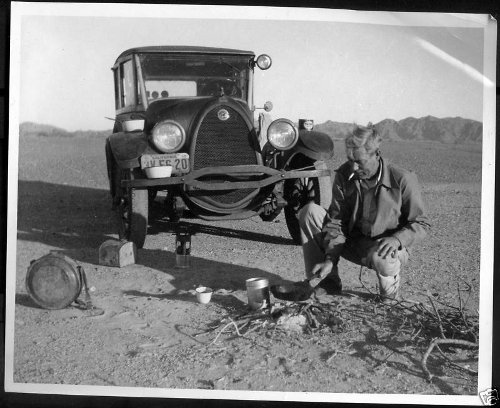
19 10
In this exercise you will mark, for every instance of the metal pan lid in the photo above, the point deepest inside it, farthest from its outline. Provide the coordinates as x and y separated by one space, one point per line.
53 281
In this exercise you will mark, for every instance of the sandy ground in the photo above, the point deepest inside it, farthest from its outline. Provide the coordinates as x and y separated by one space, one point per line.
154 333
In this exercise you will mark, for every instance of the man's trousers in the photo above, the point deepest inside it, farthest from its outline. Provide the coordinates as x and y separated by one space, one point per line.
359 250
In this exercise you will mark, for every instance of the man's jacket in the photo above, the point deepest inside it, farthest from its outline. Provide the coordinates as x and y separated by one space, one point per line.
400 209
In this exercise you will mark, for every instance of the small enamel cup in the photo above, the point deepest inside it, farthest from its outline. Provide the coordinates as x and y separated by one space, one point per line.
203 294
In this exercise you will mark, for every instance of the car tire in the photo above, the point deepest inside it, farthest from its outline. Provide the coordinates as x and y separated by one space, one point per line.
110 164
133 211
299 192
152 193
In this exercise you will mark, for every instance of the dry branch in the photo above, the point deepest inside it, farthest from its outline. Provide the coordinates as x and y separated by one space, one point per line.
469 370
455 323
436 342
441 330
232 322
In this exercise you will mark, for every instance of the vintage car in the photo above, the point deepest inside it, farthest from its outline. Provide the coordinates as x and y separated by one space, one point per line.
186 126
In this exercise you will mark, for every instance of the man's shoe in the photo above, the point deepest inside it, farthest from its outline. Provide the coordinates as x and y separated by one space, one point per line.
389 289
329 286
391 300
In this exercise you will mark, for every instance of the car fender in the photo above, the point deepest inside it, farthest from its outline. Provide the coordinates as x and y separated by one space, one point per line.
128 147
316 145
311 144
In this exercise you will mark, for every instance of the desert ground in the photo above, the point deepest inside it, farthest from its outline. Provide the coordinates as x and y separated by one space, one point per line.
154 333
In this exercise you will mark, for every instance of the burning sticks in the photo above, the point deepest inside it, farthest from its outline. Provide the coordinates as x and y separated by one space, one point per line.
300 317
421 326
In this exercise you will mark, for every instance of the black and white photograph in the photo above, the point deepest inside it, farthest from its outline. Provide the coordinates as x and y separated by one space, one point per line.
250 203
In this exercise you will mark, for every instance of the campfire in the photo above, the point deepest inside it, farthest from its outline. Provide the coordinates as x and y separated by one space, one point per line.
423 324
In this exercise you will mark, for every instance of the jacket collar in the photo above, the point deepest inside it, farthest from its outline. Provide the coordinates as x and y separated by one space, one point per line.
384 179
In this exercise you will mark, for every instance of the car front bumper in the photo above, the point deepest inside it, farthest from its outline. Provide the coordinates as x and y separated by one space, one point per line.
266 176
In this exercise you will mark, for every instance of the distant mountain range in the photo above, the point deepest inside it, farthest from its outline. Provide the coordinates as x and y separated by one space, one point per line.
445 130
29 129
429 128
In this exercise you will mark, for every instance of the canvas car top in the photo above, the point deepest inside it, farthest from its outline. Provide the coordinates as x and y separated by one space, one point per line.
182 49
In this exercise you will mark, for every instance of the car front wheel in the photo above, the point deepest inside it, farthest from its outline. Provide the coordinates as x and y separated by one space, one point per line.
299 192
132 211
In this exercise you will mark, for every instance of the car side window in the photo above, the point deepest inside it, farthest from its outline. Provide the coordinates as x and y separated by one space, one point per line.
127 84
117 89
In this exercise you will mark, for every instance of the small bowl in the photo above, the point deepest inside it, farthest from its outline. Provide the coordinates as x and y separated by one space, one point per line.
133 125
158 172
203 294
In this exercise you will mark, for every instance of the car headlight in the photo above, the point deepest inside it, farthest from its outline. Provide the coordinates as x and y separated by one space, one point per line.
168 136
282 134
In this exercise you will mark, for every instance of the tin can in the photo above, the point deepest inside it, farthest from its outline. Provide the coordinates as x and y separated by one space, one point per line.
183 249
258 293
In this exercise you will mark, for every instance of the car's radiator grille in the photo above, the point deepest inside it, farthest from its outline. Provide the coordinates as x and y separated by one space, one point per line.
223 143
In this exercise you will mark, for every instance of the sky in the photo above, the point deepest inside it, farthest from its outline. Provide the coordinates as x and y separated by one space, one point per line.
325 67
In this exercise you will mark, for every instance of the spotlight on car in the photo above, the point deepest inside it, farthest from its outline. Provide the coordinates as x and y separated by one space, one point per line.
264 61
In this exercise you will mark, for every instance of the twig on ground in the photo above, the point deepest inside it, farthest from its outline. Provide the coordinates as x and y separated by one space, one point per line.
313 322
468 290
362 283
469 370
252 329
437 341
441 330
459 298
232 322
400 328
211 329
440 302
461 310
414 336
385 359
304 308
333 355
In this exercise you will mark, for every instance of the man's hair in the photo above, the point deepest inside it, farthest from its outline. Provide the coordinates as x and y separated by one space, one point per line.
365 137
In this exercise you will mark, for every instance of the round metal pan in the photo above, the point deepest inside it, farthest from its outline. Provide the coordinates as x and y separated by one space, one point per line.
295 292
53 281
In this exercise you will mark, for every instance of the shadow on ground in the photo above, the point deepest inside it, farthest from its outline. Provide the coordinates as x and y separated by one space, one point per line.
23 299
79 219
72 217
214 274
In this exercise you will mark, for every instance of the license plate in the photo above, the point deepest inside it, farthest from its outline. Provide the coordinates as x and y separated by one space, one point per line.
178 161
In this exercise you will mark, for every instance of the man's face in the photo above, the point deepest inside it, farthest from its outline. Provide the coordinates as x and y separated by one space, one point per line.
364 165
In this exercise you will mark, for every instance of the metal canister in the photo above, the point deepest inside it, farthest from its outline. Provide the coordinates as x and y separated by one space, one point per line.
258 293
183 249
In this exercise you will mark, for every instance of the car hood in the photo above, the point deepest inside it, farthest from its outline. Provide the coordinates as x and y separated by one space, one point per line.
184 111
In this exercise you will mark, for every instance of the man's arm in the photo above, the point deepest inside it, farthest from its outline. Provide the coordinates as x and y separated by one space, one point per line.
412 209
334 228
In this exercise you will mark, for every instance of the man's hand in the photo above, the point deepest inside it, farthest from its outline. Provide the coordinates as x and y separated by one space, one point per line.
388 246
321 270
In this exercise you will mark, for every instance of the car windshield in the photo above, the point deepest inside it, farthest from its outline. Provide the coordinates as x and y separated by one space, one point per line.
167 76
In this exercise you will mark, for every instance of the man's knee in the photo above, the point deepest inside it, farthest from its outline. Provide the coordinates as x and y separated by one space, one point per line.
388 266
311 213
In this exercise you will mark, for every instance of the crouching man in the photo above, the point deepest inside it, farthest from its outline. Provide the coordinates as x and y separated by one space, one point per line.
376 215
